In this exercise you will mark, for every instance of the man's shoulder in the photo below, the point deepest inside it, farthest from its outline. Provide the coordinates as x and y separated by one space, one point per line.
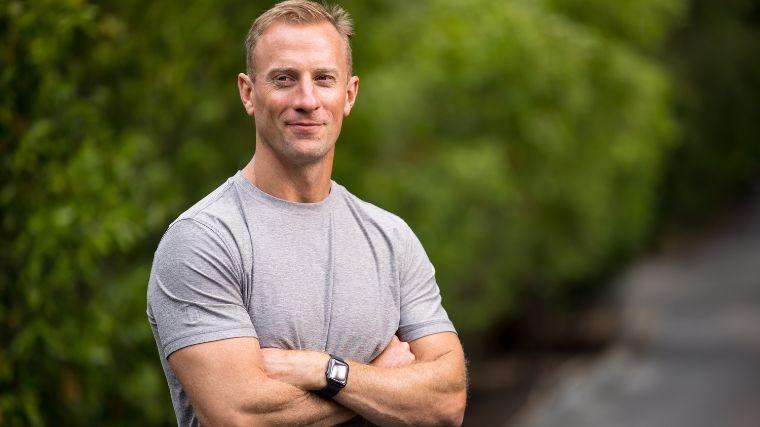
378 216
217 213
218 203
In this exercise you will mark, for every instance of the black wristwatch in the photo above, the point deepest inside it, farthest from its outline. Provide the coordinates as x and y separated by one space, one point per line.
336 376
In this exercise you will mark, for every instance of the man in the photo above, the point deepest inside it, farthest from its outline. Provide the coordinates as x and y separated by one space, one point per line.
280 298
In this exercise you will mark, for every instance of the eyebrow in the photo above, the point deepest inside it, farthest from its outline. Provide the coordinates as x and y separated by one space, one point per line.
328 70
278 70
291 70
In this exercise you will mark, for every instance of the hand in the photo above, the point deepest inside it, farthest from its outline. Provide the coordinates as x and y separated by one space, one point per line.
300 368
395 355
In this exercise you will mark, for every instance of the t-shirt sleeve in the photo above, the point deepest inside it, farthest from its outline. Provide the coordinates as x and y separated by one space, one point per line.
421 311
194 292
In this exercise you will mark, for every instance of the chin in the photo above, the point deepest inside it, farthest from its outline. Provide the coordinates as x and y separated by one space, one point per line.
306 156
294 151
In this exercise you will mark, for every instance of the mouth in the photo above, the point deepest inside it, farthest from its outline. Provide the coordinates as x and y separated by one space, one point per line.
304 125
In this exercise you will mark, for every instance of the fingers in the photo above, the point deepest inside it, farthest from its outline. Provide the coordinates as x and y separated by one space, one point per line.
396 354
410 356
394 341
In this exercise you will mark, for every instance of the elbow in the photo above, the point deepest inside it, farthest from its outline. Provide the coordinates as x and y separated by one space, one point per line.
240 418
251 411
451 410
229 418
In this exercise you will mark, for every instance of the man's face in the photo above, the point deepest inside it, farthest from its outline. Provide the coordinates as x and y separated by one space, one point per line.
301 90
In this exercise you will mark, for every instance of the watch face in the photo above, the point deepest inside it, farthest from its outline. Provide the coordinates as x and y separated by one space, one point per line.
338 371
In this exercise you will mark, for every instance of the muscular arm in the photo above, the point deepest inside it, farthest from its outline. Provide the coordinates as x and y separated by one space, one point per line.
227 386
431 391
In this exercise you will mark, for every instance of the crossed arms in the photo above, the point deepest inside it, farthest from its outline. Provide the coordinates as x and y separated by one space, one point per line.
235 382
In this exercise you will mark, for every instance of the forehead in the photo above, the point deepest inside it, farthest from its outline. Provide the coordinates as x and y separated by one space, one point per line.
292 45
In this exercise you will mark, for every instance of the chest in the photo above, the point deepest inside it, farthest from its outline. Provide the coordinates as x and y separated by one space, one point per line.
324 284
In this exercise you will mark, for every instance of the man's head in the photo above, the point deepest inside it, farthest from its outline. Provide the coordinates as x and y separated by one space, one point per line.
299 85
299 12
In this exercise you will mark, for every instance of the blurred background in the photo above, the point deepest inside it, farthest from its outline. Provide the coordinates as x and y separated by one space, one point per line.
578 171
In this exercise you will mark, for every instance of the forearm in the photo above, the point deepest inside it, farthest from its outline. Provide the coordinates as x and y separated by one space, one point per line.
391 390
425 393
283 404
227 386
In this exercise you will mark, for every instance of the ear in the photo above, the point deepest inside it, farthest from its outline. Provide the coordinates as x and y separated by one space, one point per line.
245 87
351 91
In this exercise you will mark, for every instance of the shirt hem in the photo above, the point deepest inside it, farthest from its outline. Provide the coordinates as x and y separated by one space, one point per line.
415 332
207 337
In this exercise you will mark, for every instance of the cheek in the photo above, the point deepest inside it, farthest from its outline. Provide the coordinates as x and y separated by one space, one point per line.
270 106
332 98
337 106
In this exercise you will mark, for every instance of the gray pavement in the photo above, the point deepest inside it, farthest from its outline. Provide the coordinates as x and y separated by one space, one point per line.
689 355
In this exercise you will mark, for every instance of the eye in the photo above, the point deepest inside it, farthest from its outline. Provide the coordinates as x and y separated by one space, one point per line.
325 78
283 79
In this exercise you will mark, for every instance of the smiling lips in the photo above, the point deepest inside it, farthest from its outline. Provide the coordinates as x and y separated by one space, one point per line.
304 125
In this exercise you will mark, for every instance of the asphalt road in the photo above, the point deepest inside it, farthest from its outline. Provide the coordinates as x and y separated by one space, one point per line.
689 355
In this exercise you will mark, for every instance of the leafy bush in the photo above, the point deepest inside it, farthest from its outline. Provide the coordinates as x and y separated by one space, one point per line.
715 56
102 139
525 148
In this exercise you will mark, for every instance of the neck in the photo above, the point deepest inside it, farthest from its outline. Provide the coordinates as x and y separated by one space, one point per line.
306 183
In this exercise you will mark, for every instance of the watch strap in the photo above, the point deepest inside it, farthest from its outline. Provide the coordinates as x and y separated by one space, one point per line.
330 390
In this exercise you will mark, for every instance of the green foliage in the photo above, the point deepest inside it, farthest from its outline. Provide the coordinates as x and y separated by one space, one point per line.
523 147
716 58
69 202
642 23
102 109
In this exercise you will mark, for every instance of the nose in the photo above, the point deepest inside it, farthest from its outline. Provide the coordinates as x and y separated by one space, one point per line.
306 97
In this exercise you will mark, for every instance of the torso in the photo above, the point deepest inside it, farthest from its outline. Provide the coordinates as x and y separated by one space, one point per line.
319 276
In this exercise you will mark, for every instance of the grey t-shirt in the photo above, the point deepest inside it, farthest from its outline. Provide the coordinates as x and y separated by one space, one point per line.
340 276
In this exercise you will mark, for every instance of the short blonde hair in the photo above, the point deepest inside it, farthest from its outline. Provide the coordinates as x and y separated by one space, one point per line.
300 12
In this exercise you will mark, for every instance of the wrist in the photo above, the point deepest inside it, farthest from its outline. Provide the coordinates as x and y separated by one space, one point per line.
336 377
317 371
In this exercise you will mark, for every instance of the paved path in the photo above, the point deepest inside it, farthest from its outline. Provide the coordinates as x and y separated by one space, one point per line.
690 351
